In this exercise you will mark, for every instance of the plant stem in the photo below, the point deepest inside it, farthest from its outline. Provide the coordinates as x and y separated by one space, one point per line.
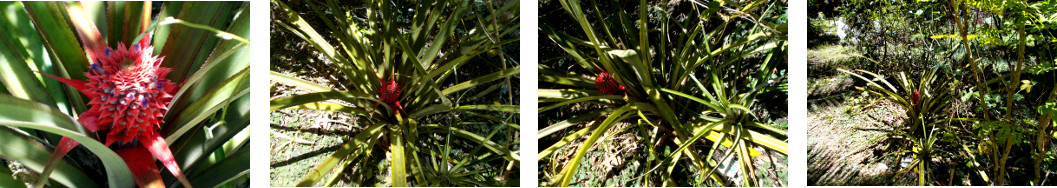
1042 137
1010 89
969 54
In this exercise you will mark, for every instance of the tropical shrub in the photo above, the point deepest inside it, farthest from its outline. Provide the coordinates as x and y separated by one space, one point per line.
690 85
406 88
166 82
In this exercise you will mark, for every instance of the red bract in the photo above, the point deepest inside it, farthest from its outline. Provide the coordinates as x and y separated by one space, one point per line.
389 93
129 96
607 84
148 175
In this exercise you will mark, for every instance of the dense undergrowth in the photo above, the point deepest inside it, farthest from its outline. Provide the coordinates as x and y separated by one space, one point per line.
973 82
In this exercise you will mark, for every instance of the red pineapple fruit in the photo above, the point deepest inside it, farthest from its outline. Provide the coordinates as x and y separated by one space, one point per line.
129 96
129 91
607 84
915 96
389 93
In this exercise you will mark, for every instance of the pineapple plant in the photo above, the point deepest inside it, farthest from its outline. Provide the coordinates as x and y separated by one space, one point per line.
429 86
692 87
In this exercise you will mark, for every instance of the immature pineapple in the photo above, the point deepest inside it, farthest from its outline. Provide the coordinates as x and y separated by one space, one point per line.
607 84
129 91
389 93
129 96
915 97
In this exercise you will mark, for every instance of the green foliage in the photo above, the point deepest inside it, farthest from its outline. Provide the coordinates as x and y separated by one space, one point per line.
1001 130
1048 108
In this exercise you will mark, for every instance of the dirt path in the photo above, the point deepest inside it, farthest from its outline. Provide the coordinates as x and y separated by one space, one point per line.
299 142
840 151
302 139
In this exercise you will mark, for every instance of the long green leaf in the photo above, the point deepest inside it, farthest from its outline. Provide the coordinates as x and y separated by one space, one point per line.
221 62
603 98
15 74
494 147
190 150
60 40
304 84
566 140
37 55
686 144
302 29
328 164
230 168
295 100
564 93
322 106
34 156
398 159
198 111
27 114
570 169
490 107
161 33
482 80
561 125
187 47
126 20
